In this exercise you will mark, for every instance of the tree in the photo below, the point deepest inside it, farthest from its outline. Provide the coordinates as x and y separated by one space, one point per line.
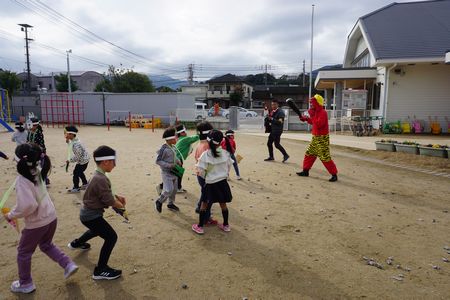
9 81
61 83
258 79
165 89
236 97
124 81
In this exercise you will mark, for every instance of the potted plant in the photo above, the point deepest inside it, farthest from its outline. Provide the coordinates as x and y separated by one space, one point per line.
435 150
407 147
386 145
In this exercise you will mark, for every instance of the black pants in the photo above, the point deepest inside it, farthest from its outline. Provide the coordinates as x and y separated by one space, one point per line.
78 173
99 227
275 138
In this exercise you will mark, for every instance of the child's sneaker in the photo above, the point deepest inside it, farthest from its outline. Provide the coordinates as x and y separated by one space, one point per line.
197 229
24 289
106 273
70 269
73 190
212 222
238 178
173 207
181 191
73 245
84 186
158 206
225 228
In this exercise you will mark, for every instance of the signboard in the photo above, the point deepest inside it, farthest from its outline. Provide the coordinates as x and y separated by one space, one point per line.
354 99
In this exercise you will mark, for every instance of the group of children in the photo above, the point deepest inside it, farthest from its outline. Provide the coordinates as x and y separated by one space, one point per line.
214 156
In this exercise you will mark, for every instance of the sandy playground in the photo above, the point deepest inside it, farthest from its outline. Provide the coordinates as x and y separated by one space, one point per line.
291 238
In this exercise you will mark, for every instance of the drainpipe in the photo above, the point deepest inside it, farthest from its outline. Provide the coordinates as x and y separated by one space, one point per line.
386 90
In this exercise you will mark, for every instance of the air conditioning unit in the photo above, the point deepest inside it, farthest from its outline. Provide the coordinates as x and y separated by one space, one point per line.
447 57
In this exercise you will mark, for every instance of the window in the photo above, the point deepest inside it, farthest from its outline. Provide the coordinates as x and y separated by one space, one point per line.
376 96
362 61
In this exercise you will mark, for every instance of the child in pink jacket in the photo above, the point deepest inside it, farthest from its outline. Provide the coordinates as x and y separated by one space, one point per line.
37 209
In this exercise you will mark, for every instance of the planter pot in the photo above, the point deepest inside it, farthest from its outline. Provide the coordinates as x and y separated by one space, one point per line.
412 149
385 146
436 152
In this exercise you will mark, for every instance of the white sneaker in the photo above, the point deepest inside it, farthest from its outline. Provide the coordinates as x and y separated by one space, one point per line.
84 186
180 191
24 289
238 178
73 191
70 269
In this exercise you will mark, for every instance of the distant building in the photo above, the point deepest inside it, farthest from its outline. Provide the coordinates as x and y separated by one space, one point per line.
263 95
222 87
200 91
85 80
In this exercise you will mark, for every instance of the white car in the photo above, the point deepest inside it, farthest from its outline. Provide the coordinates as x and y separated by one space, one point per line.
245 113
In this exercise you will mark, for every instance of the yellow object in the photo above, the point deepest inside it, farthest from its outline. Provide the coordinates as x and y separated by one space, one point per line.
238 158
319 99
148 125
406 127
5 210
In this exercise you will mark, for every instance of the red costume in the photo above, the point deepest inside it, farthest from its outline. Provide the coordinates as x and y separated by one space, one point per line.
320 144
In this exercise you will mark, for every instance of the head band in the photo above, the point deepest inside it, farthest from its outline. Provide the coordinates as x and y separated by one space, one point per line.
214 142
102 158
227 134
170 138
72 132
182 130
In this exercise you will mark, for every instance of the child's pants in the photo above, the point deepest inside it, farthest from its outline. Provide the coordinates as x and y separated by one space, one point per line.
78 173
235 164
170 187
99 227
201 182
29 240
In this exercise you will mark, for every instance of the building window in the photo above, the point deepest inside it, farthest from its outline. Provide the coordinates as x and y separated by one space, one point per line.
49 86
376 96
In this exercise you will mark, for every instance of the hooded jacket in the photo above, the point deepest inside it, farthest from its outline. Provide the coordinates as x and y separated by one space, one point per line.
318 118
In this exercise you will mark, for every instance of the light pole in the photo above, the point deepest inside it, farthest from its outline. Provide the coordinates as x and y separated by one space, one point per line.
24 27
312 44
68 71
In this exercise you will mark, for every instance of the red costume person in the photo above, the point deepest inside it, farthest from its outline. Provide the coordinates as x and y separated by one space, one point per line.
320 143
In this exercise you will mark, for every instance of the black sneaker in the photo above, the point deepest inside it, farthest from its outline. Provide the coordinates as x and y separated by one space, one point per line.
74 245
173 207
333 178
304 173
285 158
158 206
269 159
106 273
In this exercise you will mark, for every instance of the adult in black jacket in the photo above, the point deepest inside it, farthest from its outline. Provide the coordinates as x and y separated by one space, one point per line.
276 121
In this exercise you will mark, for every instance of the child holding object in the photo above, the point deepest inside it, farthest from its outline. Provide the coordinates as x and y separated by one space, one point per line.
214 165
229 144
37 209
169 163
97 197
78 154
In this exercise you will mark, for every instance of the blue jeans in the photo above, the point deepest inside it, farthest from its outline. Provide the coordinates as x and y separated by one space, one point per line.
235 164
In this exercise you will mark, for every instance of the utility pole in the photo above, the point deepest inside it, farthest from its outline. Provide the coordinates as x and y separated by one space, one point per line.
312 44
68 71
190 77
24 27
265 74
304 83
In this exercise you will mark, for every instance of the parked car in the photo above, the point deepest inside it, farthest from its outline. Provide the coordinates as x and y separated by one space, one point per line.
200 111
245 113
222 112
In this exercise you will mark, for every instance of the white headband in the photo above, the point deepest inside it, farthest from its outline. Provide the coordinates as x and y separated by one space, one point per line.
102 158
227 134
17 159
72 132
182 130
214 142
205 132
35 123
170 137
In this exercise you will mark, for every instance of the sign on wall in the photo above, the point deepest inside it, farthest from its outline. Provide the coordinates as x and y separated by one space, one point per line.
354 99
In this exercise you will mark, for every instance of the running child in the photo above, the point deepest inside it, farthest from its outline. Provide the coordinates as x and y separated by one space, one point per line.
214 165
97 197
36 136
229 144
37 209
20 135
78 154
167 160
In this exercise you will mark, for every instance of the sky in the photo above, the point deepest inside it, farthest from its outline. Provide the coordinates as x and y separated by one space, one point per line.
162 37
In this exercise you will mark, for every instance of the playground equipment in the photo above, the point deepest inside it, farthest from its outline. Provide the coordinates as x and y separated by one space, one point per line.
61 109
5 110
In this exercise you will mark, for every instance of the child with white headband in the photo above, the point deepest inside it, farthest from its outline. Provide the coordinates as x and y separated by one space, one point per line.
99 195
167 160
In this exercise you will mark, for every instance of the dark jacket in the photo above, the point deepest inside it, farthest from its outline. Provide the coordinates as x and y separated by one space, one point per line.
277 121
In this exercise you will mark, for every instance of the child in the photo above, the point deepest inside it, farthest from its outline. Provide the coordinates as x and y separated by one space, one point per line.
36 134
20 136
80 157
229 144
203 129
99 196
183 148
37 209
167 160
214 166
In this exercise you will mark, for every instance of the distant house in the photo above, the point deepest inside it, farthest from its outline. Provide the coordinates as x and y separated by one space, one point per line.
200 91
85 80
396 56
221 88
263 95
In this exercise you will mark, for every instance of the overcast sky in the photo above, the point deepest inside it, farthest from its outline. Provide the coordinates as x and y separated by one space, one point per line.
216 36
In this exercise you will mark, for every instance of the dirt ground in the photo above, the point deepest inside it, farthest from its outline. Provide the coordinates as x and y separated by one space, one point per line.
291 238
